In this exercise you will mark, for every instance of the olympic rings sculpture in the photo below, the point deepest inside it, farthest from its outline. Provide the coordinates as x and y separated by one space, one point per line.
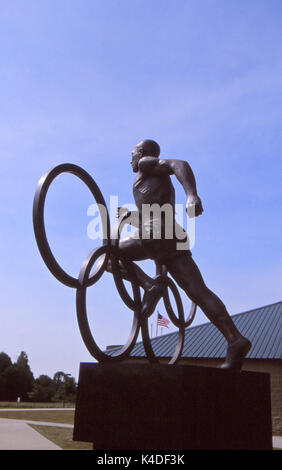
109 250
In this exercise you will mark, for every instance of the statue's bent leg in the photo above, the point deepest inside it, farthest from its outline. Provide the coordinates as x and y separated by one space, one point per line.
131 248
187 275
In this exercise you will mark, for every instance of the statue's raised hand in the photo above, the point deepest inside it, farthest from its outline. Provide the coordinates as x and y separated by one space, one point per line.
194 206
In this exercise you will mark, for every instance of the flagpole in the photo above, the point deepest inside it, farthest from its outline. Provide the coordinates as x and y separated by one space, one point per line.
157 325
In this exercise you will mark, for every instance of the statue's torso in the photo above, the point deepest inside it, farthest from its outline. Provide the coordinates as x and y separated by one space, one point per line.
151 189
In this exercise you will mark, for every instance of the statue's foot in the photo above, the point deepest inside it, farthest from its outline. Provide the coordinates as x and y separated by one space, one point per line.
152 296
236 353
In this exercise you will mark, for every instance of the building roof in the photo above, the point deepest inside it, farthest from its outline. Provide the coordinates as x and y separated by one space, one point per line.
262 326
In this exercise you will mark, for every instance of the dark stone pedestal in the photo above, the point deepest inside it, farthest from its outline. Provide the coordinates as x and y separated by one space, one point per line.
161 407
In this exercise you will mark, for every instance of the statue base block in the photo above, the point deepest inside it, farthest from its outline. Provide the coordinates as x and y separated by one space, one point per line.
161 407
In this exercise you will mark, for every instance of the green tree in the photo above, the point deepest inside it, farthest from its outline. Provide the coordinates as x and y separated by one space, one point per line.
27 378
65 387
5 361
16 379
15 383
43 389
22 363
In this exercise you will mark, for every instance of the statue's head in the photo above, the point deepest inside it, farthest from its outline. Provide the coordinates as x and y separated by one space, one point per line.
145 148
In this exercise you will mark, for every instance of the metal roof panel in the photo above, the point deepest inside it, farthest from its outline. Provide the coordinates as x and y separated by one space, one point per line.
261 325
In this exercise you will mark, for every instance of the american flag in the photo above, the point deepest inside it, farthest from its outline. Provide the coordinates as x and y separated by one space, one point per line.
163 321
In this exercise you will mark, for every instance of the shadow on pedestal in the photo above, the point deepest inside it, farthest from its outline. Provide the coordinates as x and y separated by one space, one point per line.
161 407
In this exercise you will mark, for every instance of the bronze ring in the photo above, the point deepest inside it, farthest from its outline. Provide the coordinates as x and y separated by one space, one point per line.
39 224
81 309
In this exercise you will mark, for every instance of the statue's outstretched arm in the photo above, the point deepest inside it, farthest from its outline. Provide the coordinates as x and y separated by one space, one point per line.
183 172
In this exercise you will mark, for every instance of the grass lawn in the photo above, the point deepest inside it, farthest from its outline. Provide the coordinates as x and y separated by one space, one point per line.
52 415
30 404
62 437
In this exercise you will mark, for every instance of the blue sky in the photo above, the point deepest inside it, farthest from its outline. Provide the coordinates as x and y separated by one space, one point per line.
83 82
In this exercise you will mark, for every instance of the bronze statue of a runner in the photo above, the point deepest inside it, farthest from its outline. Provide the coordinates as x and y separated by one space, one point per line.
153 187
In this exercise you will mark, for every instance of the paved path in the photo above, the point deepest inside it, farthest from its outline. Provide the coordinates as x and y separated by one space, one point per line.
18 435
